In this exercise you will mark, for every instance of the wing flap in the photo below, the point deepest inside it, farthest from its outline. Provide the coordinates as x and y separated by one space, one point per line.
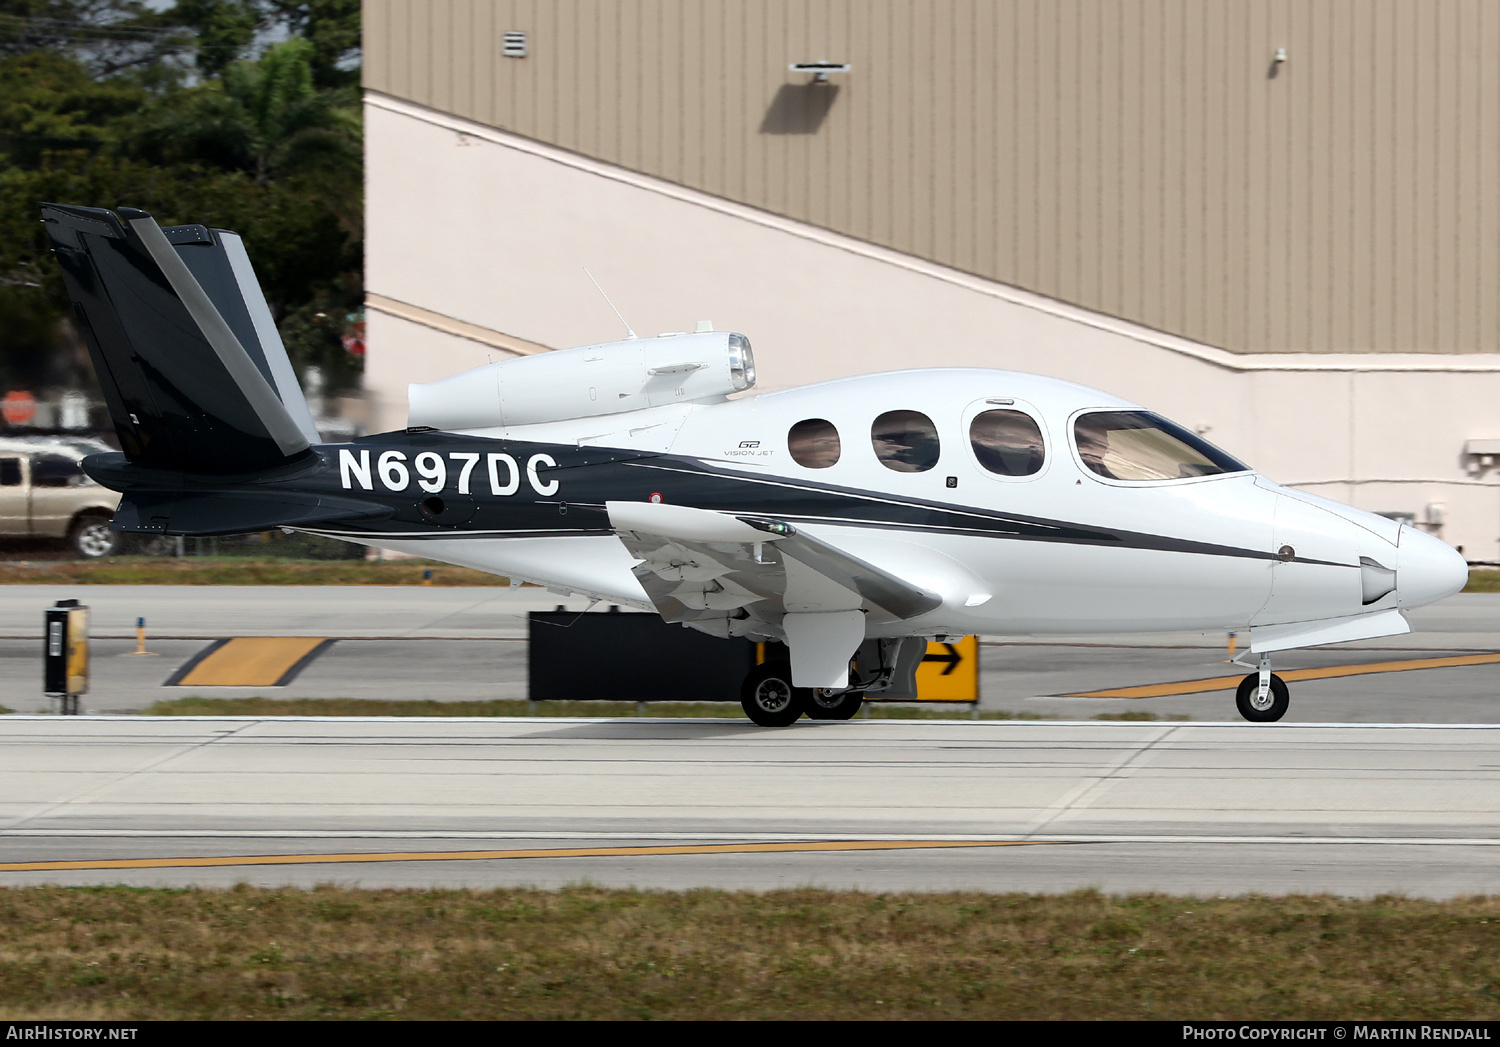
697 564
878 587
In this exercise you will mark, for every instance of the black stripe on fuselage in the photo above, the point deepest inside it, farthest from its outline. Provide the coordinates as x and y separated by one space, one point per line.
902 513
460 533
589 477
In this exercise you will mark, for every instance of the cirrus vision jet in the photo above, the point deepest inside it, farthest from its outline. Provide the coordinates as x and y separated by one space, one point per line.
846 523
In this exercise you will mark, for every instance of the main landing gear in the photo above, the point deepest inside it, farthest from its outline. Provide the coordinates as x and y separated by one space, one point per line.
1262 696
823 704
770 700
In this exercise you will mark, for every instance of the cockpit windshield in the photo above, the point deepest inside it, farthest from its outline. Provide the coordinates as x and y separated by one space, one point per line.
1138 445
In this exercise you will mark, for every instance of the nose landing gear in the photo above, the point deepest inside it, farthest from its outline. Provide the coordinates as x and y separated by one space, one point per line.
1262 696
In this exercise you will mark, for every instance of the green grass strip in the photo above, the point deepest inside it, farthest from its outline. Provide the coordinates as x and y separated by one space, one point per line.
1483 582
127 954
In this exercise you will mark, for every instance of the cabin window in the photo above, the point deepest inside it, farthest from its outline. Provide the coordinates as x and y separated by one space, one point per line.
1138 445
814 443
10 472
905 441
1008 443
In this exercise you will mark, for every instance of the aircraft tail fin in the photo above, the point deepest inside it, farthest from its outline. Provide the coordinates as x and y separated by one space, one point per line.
193 371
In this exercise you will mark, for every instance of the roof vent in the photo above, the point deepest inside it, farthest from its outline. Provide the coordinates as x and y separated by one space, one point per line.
820 70
513 45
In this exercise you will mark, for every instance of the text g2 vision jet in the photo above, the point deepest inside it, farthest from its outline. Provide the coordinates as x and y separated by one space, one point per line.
849 521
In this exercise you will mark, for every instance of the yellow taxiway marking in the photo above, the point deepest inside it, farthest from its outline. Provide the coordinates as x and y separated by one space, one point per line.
1227 683
459 856
250 661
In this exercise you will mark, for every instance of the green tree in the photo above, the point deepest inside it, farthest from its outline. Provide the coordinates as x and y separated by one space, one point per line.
267 147
262 117
225 30
49 103
53 113
106 36
266 120
333 29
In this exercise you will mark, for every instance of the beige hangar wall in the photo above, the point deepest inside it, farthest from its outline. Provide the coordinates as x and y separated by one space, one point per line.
477 240
1149 159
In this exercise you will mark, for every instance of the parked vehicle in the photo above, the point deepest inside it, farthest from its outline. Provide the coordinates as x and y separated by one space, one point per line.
44 493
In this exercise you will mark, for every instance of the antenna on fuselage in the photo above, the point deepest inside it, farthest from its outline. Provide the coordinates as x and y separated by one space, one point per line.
607 302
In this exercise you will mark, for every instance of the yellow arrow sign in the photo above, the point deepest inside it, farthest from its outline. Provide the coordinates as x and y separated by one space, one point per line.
950 671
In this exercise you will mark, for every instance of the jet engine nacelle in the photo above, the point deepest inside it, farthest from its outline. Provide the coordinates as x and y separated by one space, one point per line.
581 383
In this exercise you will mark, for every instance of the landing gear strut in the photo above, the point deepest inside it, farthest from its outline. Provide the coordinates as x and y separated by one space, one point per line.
823 704
1262 696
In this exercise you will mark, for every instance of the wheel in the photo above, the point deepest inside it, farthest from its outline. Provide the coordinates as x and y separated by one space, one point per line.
824 705
769 698
92 539
1276 701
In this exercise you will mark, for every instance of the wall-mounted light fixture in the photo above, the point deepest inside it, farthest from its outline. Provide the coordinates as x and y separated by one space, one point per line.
1280 55
820 70
1482 454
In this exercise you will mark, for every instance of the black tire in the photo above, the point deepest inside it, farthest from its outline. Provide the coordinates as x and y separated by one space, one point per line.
824 706
1245 696
768 697
91 539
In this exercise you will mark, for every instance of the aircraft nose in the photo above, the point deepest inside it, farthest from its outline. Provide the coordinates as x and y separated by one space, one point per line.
1427 569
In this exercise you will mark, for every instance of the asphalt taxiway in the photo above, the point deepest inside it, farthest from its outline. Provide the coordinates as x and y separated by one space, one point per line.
469 644
880 805
1375 783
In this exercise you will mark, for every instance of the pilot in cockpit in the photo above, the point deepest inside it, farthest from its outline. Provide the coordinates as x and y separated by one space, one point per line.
1139 445
1093 446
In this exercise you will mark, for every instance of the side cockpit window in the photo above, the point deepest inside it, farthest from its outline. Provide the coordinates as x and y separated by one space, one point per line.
905 441
814 443
1007 443
1138 445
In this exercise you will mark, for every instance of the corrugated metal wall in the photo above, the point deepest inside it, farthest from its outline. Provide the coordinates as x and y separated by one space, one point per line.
1146 158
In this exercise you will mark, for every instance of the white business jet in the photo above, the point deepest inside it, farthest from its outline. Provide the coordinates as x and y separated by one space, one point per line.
849 521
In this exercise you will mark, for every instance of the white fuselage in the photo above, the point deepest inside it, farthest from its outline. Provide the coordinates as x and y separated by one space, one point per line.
1225 551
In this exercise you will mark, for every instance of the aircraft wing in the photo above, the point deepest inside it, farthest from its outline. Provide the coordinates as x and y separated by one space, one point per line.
697 564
